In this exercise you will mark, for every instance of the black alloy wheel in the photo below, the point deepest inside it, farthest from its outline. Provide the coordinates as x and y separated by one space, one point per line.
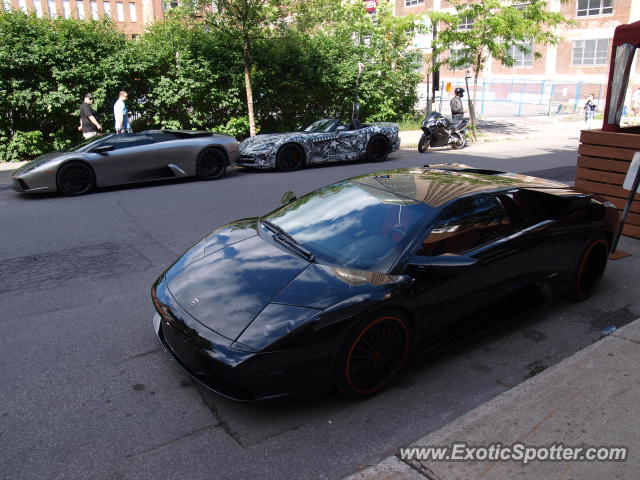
290 157
373 355
377 149
211 164
590 269
423 143
76 178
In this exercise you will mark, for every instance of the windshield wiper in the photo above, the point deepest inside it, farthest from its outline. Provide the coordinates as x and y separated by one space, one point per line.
287 240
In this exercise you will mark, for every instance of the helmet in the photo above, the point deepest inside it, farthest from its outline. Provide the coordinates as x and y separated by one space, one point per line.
459 91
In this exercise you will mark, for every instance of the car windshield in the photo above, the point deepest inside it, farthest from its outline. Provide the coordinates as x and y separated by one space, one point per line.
325 125
354 225
88 143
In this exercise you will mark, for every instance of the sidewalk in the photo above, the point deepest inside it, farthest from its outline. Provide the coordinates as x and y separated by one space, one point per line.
589 399
5 171
514 128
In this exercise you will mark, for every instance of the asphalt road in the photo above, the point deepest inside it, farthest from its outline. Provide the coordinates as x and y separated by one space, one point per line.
86 392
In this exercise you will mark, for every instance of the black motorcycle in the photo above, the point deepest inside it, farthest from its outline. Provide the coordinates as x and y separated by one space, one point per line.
440 131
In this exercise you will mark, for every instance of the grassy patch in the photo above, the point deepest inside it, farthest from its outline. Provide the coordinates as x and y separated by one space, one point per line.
411 122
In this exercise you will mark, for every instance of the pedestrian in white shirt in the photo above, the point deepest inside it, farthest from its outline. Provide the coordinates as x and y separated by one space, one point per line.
120 113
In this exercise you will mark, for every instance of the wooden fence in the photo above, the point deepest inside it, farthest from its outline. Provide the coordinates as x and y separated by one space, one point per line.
603 161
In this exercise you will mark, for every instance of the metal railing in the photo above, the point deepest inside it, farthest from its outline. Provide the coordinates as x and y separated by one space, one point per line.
500 98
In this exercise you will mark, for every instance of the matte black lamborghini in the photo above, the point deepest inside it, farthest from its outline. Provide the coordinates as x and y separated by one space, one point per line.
339 287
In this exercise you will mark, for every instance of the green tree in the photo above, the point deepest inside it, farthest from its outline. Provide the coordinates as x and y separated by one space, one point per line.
45 68
243 23
497 28
192 78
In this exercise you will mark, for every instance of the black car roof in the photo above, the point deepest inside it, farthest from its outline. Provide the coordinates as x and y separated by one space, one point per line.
436 185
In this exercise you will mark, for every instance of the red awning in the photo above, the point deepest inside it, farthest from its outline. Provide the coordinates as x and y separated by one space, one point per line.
629 33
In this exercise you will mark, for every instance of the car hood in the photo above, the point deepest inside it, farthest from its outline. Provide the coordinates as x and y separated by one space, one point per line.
227 289
269 140
39 161
233 275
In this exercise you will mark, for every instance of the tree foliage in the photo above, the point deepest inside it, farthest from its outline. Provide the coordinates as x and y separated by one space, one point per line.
497 27
187 71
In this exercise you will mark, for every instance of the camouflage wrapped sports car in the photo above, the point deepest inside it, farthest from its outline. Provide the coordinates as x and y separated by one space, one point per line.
326 140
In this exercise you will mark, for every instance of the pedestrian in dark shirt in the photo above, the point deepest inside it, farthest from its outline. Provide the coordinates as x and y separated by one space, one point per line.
457 109
88 123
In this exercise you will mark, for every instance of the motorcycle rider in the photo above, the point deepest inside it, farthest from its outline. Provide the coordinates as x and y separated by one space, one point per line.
457 109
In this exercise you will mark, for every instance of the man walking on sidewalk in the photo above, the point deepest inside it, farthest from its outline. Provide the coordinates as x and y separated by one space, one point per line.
120 113
89 126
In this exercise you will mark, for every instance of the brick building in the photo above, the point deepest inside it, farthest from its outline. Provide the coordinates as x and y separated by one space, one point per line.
581 57
130 15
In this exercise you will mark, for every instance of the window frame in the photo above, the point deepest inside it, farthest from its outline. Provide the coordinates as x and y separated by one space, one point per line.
467 24
600 10
597 40
516 53
413 3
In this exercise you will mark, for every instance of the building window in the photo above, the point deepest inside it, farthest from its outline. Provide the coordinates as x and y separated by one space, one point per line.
133 13
412 3
66 8
522 59
587 8
120 11
7 4
590 52
52 8
22 5
94 10
80 9
106 8
466 23
37 6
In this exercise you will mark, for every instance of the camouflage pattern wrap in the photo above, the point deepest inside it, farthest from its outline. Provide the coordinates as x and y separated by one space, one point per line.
261 151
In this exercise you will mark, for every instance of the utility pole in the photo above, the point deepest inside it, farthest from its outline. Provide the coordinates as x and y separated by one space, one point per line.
472 112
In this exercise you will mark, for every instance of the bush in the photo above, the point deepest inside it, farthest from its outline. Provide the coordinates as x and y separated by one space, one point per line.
184 74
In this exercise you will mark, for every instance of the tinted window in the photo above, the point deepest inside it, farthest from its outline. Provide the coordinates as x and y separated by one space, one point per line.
353 225
88 144
128 140
163 137
466 225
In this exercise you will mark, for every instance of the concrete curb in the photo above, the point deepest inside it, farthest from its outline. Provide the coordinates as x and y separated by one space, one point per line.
589 398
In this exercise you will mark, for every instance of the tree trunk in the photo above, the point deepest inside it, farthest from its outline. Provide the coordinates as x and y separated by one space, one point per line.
247 83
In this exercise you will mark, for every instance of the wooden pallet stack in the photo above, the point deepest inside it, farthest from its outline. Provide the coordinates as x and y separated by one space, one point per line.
603 162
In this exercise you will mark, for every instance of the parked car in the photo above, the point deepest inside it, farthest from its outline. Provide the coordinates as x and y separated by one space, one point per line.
113 159
338 288
324 141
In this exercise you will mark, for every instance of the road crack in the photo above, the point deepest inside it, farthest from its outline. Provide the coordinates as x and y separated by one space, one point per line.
172 442
136 221
220 423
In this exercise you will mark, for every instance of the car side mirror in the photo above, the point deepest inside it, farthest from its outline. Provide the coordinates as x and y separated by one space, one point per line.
443 263
341 128
102 149
288 198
